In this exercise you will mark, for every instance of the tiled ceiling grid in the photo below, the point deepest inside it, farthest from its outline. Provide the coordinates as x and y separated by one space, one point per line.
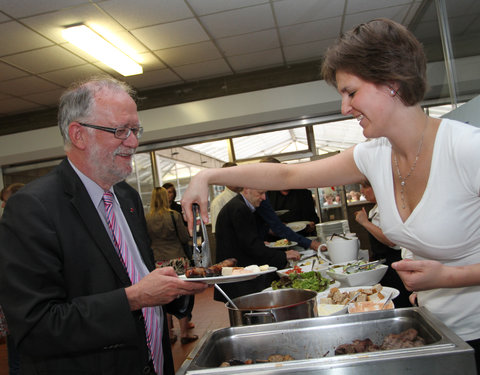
179 40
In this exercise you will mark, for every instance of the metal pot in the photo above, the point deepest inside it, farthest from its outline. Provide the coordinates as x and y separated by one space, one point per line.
273 306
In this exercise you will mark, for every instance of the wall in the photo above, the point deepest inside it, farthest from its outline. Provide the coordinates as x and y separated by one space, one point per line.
188 119
228 113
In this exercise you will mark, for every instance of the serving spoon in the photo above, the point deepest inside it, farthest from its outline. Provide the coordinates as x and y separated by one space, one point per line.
227 297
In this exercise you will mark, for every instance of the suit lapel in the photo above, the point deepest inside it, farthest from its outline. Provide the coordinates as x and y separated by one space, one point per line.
89 216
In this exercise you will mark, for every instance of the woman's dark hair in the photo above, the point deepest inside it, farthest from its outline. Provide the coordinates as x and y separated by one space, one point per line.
382 52
168 185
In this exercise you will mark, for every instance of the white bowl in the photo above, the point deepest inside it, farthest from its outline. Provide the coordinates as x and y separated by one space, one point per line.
306 266
370 277
325 309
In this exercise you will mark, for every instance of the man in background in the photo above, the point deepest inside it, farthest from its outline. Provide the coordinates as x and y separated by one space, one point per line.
239 236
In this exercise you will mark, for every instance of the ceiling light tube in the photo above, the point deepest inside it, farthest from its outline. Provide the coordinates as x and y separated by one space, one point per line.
94 44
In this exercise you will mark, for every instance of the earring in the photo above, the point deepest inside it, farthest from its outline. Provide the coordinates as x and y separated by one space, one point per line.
392 92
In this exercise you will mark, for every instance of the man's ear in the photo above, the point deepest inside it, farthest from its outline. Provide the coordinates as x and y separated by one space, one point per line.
77 135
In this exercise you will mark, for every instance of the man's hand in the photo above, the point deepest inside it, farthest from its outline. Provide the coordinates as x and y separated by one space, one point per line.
160 287
292 255
315 245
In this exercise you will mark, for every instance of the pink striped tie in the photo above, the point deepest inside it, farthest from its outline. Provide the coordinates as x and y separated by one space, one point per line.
152 322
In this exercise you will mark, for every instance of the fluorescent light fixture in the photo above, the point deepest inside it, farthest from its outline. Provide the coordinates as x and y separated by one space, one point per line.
94 44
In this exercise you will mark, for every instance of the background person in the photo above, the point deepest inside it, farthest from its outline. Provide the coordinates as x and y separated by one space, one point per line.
239 235
412 180
169 235
223 198
13 356
78 297
380 246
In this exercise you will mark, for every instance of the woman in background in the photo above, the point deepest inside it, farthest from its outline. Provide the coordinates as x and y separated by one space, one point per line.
381 247
169 234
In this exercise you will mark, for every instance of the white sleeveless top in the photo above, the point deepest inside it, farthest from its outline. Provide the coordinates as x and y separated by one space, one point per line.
445 225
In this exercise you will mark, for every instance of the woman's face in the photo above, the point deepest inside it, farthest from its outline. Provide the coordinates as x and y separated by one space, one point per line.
369 103
171 194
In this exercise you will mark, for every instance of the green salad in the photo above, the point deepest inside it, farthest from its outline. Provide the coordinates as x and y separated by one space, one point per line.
307 280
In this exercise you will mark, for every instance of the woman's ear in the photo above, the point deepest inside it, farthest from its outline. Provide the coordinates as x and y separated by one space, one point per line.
76 133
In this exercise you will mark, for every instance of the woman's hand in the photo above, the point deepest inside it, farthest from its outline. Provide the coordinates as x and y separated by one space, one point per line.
422 274
197 192
361 217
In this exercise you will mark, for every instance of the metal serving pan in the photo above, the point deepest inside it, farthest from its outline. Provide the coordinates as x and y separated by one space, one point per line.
312 343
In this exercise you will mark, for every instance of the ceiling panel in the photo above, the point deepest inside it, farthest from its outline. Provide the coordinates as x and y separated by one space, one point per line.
240 21
251 42
289 13
22 39
44 60
188 54
171 34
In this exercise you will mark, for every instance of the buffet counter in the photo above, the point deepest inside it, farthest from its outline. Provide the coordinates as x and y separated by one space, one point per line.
312 344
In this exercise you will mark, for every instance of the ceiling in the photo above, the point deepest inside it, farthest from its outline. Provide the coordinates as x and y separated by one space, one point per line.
186 42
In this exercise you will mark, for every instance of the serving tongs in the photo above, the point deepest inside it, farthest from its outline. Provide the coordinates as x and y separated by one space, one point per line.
201 254
358 267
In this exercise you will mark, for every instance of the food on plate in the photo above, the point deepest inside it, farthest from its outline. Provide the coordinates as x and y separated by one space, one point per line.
307 280
253 268
272 358
224 268
406 339
336 297
282 242
296 269
357 307
212 271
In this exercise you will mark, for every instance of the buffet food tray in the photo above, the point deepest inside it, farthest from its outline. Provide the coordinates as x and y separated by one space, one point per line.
312 343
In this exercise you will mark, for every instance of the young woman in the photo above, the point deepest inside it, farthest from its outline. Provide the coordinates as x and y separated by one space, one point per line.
169 234
424 171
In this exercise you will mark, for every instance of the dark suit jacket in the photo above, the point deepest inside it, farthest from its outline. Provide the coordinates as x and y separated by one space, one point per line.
62 283
238 235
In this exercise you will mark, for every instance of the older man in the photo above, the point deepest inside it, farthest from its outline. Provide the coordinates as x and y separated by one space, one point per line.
239 235
77 283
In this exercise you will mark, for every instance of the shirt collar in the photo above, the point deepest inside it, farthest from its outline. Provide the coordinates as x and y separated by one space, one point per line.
249 205
94 190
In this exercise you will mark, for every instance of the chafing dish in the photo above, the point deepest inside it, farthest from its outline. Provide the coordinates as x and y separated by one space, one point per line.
312 343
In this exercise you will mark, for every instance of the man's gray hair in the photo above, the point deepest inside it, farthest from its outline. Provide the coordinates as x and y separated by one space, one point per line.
78 101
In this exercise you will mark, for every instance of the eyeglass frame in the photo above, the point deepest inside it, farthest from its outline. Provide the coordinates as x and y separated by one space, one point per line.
137 132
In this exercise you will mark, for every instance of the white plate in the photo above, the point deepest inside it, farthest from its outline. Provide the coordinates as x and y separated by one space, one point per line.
297 226
385 291
228 279
306 266
272 245
307 254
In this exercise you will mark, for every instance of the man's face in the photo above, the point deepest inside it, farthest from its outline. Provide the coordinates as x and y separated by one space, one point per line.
255 197
110 158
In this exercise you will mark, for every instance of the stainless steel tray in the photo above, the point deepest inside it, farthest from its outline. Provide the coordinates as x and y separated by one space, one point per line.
312 343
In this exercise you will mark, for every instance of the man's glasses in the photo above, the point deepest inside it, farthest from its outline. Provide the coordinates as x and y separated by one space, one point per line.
120 133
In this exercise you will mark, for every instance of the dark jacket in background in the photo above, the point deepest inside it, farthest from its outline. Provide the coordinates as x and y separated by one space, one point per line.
238 235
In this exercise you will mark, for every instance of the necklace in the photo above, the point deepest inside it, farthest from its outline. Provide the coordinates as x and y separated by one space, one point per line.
403 180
